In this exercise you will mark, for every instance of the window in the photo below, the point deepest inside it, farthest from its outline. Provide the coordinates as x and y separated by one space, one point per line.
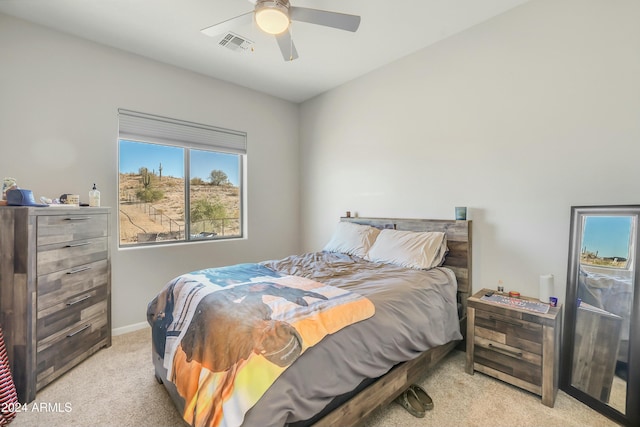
607 241
178 181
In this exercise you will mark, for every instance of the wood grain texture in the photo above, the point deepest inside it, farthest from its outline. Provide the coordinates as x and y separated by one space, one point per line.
390 385
458 234
514 345
71 226
54 281
595 352
470 338
384 390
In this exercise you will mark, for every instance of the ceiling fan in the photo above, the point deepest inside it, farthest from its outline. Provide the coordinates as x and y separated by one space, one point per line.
275 16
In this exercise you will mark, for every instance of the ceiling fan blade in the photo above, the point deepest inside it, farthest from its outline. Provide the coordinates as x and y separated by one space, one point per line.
288 49
341 21
221 27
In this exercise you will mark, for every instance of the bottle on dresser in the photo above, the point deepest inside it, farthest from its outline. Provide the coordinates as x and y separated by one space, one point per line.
94 197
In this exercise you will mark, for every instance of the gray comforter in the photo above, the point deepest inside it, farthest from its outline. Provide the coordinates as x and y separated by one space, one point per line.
415 311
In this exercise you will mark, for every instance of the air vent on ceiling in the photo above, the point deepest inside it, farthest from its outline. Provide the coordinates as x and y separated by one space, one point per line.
235 42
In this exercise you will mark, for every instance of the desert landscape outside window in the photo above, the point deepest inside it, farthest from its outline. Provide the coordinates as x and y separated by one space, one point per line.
607 241
176 192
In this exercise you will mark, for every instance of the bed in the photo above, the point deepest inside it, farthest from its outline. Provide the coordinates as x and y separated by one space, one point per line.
351 369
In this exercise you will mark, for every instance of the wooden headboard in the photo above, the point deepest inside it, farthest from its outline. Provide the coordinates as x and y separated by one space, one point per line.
458 241
390 385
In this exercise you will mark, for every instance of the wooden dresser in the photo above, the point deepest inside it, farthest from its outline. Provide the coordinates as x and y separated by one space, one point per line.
55 290
515 345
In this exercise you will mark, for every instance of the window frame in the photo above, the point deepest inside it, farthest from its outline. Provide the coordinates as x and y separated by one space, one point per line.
203 138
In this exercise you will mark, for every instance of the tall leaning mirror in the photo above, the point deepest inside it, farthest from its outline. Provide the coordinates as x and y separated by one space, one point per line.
601 351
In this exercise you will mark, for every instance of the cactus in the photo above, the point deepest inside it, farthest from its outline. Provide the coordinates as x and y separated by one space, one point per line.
160 170
146 180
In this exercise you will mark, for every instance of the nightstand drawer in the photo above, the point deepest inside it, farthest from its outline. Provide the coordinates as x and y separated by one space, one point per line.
63 256
70 227
513 332
509 360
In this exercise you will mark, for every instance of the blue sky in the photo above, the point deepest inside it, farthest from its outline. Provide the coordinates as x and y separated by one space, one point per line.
135 155
608 235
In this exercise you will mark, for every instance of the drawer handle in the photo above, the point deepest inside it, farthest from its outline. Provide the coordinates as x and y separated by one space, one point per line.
78 270
86 297
510 322
77 218
79 330
505 350
75 245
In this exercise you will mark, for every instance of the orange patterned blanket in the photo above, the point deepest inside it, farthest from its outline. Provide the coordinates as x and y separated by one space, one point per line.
225 340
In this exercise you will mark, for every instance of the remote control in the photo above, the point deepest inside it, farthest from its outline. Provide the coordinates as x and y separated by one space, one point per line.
488 294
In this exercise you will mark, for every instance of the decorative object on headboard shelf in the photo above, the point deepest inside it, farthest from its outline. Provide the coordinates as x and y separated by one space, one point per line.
461 213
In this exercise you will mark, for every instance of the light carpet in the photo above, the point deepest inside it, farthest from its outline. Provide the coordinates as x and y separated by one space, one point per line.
117 387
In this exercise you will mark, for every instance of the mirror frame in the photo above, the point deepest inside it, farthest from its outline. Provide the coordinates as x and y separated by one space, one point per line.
631 417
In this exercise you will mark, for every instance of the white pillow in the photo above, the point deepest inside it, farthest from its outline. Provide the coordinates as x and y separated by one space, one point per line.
352 239
421 250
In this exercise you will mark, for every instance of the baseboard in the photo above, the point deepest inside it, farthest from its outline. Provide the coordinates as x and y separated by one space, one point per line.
129 328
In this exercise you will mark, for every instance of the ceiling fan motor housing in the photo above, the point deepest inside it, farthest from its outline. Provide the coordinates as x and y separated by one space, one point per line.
272 16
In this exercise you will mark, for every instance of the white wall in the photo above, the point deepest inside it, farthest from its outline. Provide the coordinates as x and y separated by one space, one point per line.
59 97
518 118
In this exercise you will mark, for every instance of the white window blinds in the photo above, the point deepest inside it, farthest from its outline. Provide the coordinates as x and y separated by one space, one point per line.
147 127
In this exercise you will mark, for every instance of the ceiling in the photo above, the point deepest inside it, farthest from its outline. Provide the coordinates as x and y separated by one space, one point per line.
169 31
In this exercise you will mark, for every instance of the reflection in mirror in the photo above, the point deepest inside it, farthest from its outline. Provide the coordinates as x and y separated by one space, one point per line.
605 293
601 347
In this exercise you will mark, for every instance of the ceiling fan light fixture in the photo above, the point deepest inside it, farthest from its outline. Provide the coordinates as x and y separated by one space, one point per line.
272 16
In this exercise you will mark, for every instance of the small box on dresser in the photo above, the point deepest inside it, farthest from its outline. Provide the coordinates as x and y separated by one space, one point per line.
515 345
55 290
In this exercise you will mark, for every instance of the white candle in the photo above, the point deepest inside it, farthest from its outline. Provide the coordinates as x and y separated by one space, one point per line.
546 287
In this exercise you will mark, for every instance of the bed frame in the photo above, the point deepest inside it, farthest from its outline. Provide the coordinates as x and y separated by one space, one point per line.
386 388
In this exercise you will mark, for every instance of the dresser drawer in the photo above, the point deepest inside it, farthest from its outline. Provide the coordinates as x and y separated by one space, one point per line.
59 319
69 255
65 286
64 350
70 227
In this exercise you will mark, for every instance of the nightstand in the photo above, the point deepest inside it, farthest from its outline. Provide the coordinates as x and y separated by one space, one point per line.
515 345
